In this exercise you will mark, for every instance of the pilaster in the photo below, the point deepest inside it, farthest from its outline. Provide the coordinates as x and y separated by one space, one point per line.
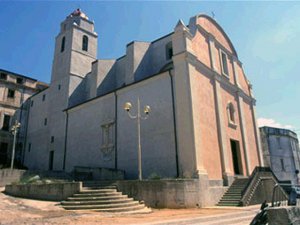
257 137
189 150
243 133
226 173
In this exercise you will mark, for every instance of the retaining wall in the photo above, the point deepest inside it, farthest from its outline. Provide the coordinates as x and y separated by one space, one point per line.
50 192
7 176
284 215
188 193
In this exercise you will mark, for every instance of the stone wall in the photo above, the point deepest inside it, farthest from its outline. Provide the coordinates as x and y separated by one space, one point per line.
8 176
186 193
49 192
284 215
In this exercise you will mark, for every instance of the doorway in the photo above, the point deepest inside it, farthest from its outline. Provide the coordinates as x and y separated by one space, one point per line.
236 157
51 157
3 153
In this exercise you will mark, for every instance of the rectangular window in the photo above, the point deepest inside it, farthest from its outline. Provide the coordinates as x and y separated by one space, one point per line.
45 121
6 122
169 51
3 76
44 97
282 165
29 147
19 80
52 139
278 142
59 87
11 93
31 103
224 63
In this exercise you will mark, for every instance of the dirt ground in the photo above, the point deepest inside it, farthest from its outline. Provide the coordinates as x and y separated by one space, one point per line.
25 211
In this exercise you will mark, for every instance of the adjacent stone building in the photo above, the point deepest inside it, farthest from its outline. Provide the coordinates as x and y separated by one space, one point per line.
202 121
281 152
15 89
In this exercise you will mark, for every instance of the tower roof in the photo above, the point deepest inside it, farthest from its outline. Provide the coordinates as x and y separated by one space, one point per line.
79 13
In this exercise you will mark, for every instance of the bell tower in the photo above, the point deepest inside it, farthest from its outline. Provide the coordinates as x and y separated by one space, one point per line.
75 50
75 47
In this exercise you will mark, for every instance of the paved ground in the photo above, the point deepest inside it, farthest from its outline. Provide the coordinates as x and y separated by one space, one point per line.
26 211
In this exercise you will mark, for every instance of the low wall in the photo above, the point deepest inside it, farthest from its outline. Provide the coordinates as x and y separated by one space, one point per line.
8 176
50 192
284 215
163 193
187 193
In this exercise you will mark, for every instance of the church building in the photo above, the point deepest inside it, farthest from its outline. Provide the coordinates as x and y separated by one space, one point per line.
189 84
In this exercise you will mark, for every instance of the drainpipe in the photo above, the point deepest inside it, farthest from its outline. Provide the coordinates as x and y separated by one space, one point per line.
174 121
66 139
116 131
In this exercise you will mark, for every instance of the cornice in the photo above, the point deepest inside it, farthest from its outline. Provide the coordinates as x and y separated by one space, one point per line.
193 60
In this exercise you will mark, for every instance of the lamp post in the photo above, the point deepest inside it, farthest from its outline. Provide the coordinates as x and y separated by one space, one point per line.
138 116
14 130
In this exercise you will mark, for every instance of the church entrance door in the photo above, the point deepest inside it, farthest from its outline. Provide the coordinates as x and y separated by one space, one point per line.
236 157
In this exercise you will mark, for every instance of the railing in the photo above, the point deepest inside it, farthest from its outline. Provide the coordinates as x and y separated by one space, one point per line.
254 172
280 198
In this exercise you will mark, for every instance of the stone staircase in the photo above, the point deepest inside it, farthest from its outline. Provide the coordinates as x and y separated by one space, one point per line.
234 193
103 197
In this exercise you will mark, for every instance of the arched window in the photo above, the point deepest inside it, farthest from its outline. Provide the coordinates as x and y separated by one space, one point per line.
85 43
230 112
62 47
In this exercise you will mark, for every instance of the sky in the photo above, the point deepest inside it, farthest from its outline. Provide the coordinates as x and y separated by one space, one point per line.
264 34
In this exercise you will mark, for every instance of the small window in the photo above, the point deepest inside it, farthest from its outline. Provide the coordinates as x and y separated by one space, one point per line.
282 165
85 43
52 139
59 87
62 48
230 113
6 122
169 51
45 121
224 63
278 142
31 103
29 147
3 76
19 80
11 93
44 97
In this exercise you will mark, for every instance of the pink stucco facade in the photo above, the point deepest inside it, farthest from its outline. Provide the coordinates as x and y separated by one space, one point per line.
222 106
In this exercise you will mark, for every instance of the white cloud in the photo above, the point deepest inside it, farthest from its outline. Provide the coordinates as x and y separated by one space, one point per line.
271 123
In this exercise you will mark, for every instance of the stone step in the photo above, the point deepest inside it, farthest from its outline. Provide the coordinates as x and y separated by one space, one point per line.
131 209
230 197
97 202
91 191
135 211
228 204
99 187
110 206
98 194
92 198
97 183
